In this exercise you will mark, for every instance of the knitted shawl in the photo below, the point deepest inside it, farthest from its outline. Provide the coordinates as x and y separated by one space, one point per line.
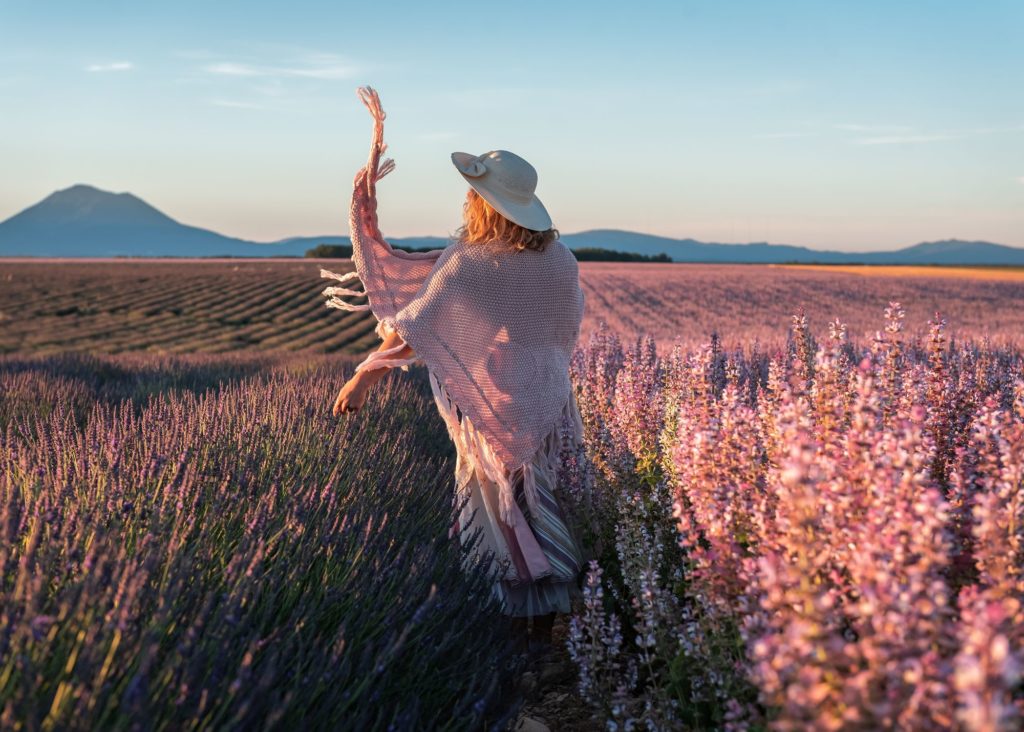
495 327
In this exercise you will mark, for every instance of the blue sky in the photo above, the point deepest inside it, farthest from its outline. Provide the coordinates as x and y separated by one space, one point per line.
852 125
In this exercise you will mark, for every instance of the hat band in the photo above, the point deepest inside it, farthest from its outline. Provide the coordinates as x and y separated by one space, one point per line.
515 196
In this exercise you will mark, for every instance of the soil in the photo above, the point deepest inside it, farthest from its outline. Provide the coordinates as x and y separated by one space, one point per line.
551 692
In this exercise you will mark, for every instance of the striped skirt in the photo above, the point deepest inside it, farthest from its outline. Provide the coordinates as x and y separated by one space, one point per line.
546 534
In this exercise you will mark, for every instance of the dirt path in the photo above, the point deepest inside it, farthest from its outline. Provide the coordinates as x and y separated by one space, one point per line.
552 696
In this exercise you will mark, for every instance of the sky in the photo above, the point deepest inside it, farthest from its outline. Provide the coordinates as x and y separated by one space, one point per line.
836 125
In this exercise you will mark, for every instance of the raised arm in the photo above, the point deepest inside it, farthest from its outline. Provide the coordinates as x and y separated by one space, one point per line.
366 178
390 277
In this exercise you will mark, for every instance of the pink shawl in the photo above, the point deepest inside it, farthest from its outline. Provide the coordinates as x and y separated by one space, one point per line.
495 327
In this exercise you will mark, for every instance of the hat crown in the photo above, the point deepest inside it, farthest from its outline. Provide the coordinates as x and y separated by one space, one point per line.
507 183
511 172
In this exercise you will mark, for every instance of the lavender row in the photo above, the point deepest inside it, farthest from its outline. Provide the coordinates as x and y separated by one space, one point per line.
215 551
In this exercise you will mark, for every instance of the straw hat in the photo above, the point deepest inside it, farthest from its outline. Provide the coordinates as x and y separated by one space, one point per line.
507 182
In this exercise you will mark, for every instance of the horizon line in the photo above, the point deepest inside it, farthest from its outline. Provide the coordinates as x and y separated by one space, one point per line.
673 239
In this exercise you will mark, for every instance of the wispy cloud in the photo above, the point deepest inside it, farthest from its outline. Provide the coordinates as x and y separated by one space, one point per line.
114 66
231 69
234 104
900 135
1021 180
907 139
878 129
269 79
990 130
319 66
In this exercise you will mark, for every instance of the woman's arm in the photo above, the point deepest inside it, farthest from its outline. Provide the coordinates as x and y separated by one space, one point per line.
353 394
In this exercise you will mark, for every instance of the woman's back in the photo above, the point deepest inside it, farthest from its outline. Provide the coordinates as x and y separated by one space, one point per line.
533 295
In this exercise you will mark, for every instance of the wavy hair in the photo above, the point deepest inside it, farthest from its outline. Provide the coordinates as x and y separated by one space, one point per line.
481 224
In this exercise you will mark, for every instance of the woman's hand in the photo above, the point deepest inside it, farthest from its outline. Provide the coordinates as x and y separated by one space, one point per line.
352 396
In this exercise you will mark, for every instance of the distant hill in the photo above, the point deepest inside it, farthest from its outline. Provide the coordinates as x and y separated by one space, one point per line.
83 221
691 250
950 251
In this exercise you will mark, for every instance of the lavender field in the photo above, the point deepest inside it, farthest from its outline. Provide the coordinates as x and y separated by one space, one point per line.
797 523
744 303
224 306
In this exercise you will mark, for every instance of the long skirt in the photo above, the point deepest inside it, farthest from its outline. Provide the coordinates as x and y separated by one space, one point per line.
521 594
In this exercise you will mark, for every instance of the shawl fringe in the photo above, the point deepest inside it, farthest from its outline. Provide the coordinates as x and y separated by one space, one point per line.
377 359
477 453
381 359
333 292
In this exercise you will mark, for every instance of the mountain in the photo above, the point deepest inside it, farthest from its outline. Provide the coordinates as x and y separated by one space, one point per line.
951 251
83 221
691 250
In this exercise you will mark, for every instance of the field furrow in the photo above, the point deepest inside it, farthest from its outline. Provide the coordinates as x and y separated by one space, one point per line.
222 306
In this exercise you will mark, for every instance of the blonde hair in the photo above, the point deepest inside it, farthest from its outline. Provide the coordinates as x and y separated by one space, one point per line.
481 224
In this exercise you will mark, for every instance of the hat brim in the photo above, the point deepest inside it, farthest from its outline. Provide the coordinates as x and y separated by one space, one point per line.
531 215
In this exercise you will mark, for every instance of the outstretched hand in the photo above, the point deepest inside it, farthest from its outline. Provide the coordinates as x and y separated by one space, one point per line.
371 99
351 398
376 168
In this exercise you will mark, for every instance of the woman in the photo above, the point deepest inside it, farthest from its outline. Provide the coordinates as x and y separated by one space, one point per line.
494 317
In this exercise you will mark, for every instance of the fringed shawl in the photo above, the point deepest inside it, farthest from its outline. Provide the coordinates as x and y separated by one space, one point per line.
496 328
